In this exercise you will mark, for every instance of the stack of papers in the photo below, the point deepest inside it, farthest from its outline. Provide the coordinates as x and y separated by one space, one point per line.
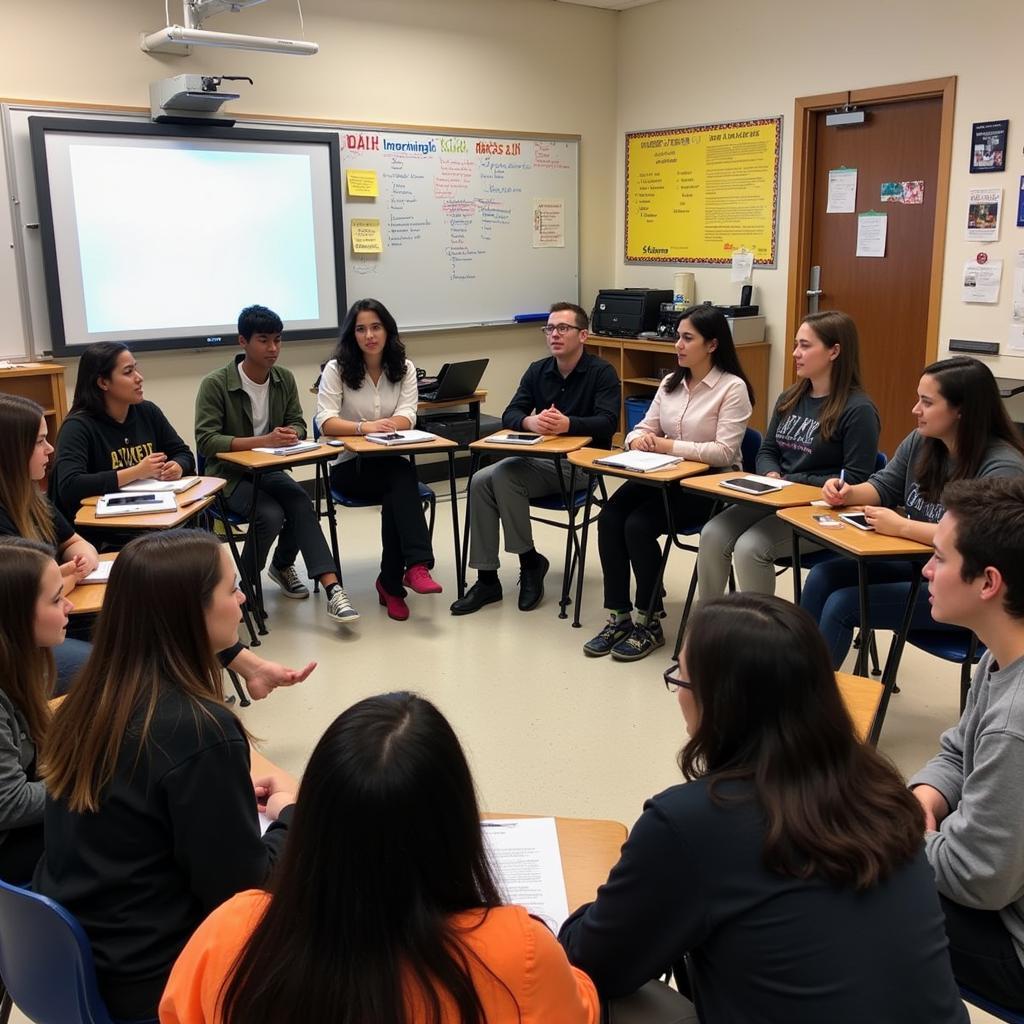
527 865
173 486
295 449
516 438
639 462
99 575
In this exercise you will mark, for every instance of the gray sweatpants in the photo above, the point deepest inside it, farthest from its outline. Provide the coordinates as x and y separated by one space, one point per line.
501 493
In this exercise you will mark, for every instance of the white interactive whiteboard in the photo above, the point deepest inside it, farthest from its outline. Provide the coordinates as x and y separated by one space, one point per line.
476 227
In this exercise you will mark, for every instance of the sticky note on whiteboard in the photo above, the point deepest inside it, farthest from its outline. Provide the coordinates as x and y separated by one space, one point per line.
366 235
361 183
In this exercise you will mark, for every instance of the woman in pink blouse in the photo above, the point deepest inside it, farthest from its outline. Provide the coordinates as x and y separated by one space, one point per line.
699 412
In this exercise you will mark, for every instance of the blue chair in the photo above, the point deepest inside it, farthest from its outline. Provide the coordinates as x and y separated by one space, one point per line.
997 1011
960 646
556 503
46 962
428 499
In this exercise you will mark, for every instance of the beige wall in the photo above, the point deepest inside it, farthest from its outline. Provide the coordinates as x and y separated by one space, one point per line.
460 63
745 59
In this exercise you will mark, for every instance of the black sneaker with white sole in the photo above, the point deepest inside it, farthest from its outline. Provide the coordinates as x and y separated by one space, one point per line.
288 580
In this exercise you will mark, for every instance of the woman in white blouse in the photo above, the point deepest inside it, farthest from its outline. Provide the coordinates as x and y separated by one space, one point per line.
699 412
370 387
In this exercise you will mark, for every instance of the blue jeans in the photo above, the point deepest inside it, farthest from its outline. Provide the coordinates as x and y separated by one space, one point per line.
70 656
832 597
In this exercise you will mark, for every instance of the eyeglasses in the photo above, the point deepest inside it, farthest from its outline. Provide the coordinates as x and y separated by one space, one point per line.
550 329
674 681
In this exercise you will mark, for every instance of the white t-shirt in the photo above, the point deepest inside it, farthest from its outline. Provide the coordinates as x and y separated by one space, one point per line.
259 398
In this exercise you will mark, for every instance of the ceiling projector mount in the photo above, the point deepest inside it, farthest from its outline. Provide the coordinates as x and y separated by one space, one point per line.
179 39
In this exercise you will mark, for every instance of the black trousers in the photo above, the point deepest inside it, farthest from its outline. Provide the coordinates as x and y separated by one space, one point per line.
284 511
628 529
983 955
390 480
20 852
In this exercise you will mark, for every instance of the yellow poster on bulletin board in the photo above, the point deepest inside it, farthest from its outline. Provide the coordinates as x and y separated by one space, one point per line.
696 195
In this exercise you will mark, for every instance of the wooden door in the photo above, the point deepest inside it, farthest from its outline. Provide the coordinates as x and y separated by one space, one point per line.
893 299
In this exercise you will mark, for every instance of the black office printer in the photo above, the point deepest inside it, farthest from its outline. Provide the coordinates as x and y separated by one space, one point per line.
627 312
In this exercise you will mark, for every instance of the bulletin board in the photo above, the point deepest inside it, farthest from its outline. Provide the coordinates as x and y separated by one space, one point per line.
696 195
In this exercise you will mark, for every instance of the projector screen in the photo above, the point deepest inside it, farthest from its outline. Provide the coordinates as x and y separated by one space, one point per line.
157 235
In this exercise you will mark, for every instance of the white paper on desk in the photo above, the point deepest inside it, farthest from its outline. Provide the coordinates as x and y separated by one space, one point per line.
842 190
293 449
404 437
639 462
871 231
173 486
99 575
527 863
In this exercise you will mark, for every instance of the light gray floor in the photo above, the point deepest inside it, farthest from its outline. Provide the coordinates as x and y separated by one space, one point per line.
547 730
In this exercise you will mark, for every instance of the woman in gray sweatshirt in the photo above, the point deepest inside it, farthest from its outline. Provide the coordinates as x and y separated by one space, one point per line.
34 614
963 433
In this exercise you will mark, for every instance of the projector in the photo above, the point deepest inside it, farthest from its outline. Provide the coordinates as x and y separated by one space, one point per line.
192 99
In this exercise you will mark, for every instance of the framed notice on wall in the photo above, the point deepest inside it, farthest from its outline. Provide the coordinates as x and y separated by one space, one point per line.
696 195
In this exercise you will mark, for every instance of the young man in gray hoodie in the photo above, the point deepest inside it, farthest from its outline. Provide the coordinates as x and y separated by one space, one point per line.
971 790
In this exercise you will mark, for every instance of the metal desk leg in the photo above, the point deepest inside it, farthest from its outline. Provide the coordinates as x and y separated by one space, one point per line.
474 464
581 567
665 551
861 666
569 501
892 662
798 583
248 608
460 578
256 580
324 473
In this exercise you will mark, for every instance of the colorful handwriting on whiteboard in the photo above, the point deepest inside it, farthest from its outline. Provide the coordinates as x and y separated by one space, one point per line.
375 143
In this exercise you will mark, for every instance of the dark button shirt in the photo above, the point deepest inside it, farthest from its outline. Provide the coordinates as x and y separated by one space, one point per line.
590 396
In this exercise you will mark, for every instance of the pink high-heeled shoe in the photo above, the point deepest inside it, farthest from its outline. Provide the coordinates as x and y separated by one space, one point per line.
396 606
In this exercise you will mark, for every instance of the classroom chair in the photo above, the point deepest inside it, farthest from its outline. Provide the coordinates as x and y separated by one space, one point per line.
428 500
959 646
46 962
556 503
997 1011
749 447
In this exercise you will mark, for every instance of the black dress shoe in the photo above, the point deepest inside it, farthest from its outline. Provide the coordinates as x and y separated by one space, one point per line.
476 597
531 585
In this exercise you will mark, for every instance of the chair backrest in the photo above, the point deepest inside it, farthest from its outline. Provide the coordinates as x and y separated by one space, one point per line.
201 465
997 1011
880 460
46 961
749 447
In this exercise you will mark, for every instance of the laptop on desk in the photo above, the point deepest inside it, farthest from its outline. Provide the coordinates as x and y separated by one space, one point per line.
456 380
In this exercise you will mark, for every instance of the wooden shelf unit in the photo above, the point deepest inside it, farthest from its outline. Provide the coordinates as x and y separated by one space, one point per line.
43 383
642 364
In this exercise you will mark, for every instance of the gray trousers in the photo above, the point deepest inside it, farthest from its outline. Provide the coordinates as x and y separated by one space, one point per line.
500 494
749 538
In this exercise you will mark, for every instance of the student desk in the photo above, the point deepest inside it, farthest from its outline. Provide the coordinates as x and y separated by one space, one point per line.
255 465
711 485
473 401
191 502
588 847
363 448
862 698
554 448
586 459
87 598
863 546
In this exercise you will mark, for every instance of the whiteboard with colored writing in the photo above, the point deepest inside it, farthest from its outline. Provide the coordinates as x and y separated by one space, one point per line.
474 229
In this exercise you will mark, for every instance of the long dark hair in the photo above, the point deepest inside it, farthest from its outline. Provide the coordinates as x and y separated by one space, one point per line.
20 495
383 848
150 633
832 328
968 385
26 669
351 363
97 360
711 325
771 714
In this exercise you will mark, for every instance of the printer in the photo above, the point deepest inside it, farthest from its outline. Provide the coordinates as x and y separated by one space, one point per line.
627 312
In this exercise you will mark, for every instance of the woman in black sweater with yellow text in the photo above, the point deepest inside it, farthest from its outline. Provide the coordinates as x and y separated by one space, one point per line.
151 819
112 436
789 871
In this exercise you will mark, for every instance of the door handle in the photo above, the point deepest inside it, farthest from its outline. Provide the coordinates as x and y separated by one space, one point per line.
814 290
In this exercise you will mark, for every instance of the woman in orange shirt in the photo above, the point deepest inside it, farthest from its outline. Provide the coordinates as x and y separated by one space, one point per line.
385 907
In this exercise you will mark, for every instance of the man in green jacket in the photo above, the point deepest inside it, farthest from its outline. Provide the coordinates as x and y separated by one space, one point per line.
253 403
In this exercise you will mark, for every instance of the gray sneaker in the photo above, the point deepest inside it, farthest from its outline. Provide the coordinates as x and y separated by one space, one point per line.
288 580
339 607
